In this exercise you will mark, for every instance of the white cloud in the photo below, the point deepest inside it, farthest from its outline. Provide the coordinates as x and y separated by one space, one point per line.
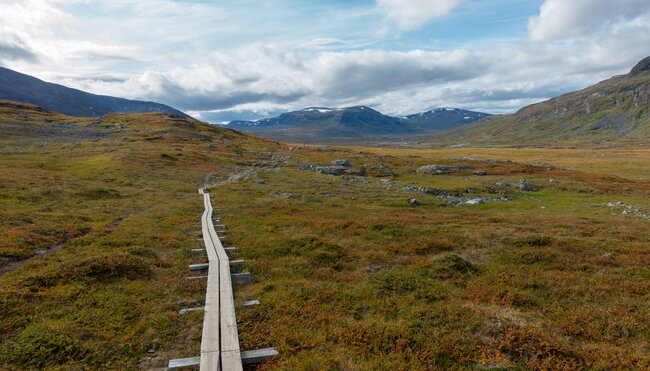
412 14
559 19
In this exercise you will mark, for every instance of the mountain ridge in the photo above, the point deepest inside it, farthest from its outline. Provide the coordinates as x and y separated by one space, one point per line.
317 124
16 86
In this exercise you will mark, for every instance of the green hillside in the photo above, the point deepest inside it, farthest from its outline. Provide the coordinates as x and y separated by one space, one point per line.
615 111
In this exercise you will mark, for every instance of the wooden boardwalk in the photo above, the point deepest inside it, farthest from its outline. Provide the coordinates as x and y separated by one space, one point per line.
220 339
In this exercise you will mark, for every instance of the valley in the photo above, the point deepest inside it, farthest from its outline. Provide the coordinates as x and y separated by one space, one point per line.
349 272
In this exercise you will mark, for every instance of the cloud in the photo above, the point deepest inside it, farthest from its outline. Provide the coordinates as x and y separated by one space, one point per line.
12 47
412 14
559 19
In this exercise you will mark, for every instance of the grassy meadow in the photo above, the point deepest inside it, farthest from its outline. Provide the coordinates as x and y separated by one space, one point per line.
98 216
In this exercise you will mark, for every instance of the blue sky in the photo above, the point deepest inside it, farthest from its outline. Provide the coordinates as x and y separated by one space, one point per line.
224 60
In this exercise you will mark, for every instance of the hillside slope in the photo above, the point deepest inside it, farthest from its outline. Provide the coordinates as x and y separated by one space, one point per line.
323 125
616 110
16 86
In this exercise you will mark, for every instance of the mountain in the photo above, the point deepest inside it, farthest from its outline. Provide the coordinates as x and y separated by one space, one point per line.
616 110
441 119
320 124
16 86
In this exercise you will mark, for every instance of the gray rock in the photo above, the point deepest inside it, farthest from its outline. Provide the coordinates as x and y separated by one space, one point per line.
328 194
305 166
414 203
504 184
356 172
525 186
480 173
260 181
441 169
345 163
23 116
286 195
474 201
330 170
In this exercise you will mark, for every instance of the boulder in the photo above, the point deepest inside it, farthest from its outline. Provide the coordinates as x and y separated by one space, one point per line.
414 203
526 187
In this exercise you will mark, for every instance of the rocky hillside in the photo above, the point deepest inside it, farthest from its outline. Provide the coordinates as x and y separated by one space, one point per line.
16 86
318 124
616 110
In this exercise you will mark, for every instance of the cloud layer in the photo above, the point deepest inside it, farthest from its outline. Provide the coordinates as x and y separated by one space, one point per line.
411 14
185 60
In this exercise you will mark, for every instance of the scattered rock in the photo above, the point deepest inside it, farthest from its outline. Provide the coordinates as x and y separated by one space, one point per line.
441 169
355 179
328 194
552 180
480 173
474 201
607 256
330 170
504 184
260 181
356 172
306 166
151 351
23 116
345 163
414 203
286 195
525 186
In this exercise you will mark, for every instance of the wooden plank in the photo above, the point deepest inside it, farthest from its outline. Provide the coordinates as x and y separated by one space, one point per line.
198 267
230 249
239 262
196 278
228 357
177 364
249 357
241 278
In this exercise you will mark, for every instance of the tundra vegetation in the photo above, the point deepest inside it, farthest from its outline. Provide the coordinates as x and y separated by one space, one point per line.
98 217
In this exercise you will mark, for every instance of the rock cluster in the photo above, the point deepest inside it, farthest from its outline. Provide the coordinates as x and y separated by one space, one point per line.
441 169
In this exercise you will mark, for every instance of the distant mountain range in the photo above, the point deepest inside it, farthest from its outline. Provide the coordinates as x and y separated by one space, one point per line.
614 111
16 86
320 124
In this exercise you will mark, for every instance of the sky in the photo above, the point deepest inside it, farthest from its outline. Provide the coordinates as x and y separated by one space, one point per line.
251 59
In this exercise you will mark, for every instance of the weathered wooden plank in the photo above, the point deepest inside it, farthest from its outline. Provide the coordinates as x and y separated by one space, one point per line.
249 357
241 278
177 364
196 278
199 267
239 262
